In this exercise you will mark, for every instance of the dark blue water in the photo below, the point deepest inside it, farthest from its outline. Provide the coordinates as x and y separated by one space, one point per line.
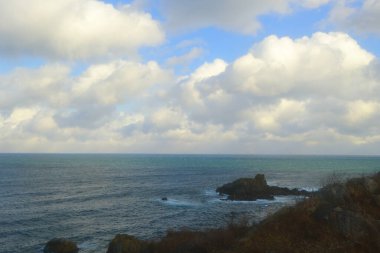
90 198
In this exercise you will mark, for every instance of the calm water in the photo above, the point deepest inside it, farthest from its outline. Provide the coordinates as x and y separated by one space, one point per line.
90 198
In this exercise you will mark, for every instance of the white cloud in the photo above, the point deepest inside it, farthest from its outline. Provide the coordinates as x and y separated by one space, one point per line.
167 118
89 100
313 3
326 63
116 82
186 58
30 87
364 18
359 112
240 16
74 29
20 115
292 90
272 118
314 94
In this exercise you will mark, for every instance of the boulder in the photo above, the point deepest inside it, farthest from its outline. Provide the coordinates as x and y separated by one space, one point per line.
60 245
255 188
125 244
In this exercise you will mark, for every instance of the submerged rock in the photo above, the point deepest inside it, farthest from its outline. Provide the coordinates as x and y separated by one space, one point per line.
125 244
255 188
60 245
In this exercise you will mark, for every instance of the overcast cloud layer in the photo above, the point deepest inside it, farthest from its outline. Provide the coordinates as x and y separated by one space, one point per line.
313 94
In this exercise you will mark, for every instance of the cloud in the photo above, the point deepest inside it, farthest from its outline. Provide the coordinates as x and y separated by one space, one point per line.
116 82
361 111
239 16
292 90
186 58
360 19
326 63
87 101
24 87
274 117
74 29
315 94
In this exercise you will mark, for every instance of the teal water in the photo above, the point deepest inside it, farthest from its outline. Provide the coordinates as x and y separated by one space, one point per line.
90 198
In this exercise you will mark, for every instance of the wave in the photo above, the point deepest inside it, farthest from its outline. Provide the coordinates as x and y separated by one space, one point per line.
211 193
88 245
276 200
311 189
176 202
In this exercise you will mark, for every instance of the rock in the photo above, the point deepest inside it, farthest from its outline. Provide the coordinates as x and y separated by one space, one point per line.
255 188
125 244
164 199
60 245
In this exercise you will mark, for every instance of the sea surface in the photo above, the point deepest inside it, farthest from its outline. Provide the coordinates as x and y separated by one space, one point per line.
90 198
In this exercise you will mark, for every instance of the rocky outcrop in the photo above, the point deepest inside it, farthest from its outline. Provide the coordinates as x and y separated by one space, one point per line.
125 244
255 188
60 245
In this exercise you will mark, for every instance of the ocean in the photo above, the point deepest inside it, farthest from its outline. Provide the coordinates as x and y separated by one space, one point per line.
89 198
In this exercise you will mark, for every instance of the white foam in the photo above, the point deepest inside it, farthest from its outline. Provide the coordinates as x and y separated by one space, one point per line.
211 193
284 199
176 202
310 189
88 245
277 199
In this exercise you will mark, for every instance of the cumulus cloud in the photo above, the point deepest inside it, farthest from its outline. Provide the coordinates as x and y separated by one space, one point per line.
116 82
361 19
323 64
290 90
313 94
240 16
30 87
74 29
87 101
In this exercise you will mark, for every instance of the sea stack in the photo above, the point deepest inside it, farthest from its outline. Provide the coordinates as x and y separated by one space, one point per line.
250 189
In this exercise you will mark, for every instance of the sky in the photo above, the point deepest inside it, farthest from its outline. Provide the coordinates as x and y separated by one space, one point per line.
200 76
